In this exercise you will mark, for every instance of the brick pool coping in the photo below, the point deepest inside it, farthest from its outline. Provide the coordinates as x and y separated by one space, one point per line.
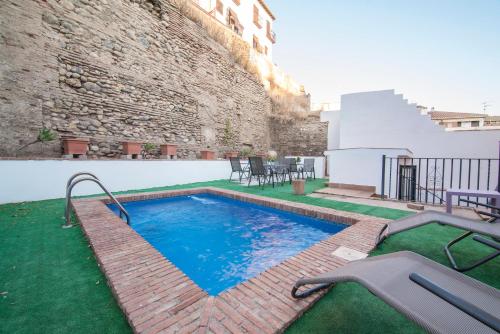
157 297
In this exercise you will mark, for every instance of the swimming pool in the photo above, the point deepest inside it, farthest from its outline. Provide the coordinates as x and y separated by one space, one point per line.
220 242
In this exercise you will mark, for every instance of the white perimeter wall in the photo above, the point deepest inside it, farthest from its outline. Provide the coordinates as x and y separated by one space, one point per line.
361 166
33 180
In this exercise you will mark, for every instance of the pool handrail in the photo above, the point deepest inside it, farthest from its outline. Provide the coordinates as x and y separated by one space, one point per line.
73 181
69 183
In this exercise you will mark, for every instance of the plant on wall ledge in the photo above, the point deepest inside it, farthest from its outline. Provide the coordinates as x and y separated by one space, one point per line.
246 152
44 135
149 148
272 156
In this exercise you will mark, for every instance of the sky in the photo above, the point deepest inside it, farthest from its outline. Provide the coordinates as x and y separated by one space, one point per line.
440 53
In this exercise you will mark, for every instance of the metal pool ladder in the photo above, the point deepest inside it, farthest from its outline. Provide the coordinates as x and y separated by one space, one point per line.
73 181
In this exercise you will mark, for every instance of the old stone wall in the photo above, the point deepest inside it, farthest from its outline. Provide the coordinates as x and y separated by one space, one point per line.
127 70
307 136
116 70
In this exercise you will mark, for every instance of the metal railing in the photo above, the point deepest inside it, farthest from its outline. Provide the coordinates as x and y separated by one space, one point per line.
74 180
426 180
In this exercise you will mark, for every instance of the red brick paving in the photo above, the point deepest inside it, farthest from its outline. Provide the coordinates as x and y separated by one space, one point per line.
157 297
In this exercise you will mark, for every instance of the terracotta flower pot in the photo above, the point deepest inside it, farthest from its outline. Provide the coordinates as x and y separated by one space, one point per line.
207 155
169 149
231 154
75 146
131 148
298 187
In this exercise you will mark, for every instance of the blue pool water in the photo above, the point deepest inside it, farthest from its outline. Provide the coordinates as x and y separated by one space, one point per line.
220 242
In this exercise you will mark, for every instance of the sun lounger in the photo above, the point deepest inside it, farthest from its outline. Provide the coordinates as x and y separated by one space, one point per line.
489 228
437 298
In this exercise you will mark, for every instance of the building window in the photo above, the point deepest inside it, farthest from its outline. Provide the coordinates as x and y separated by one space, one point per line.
233 22
475 123
256 17
219 6
270 33
256 44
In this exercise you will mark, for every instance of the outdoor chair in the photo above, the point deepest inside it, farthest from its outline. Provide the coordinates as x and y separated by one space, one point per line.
262 173
486 228
435 297
308 169
237 168
293 169
281 170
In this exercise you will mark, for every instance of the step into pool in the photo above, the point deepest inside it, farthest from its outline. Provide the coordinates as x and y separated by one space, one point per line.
219 242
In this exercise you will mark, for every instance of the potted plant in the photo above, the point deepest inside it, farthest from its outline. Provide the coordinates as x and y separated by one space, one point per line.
149 149
169 151
75 146
207 154
246 152
272 156
228 140
131 148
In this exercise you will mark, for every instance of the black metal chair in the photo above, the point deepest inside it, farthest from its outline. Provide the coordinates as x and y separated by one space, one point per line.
281 170
262 173
294 170
237 168
308 168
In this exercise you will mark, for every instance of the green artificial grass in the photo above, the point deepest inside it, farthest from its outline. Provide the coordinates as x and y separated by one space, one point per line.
50 281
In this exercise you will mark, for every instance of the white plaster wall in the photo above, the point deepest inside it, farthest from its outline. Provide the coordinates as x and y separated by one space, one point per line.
333 119
31 180
384 119
370 124
359 166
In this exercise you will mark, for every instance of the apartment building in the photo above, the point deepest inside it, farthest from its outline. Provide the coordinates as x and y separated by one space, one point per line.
251 19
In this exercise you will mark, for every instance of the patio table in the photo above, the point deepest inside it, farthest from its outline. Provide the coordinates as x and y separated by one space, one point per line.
495 195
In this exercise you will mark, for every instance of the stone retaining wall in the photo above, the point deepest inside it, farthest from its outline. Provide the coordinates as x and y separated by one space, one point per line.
121 70
300 137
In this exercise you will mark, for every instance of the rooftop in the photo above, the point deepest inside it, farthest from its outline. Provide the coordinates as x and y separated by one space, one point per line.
441 115
267 9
